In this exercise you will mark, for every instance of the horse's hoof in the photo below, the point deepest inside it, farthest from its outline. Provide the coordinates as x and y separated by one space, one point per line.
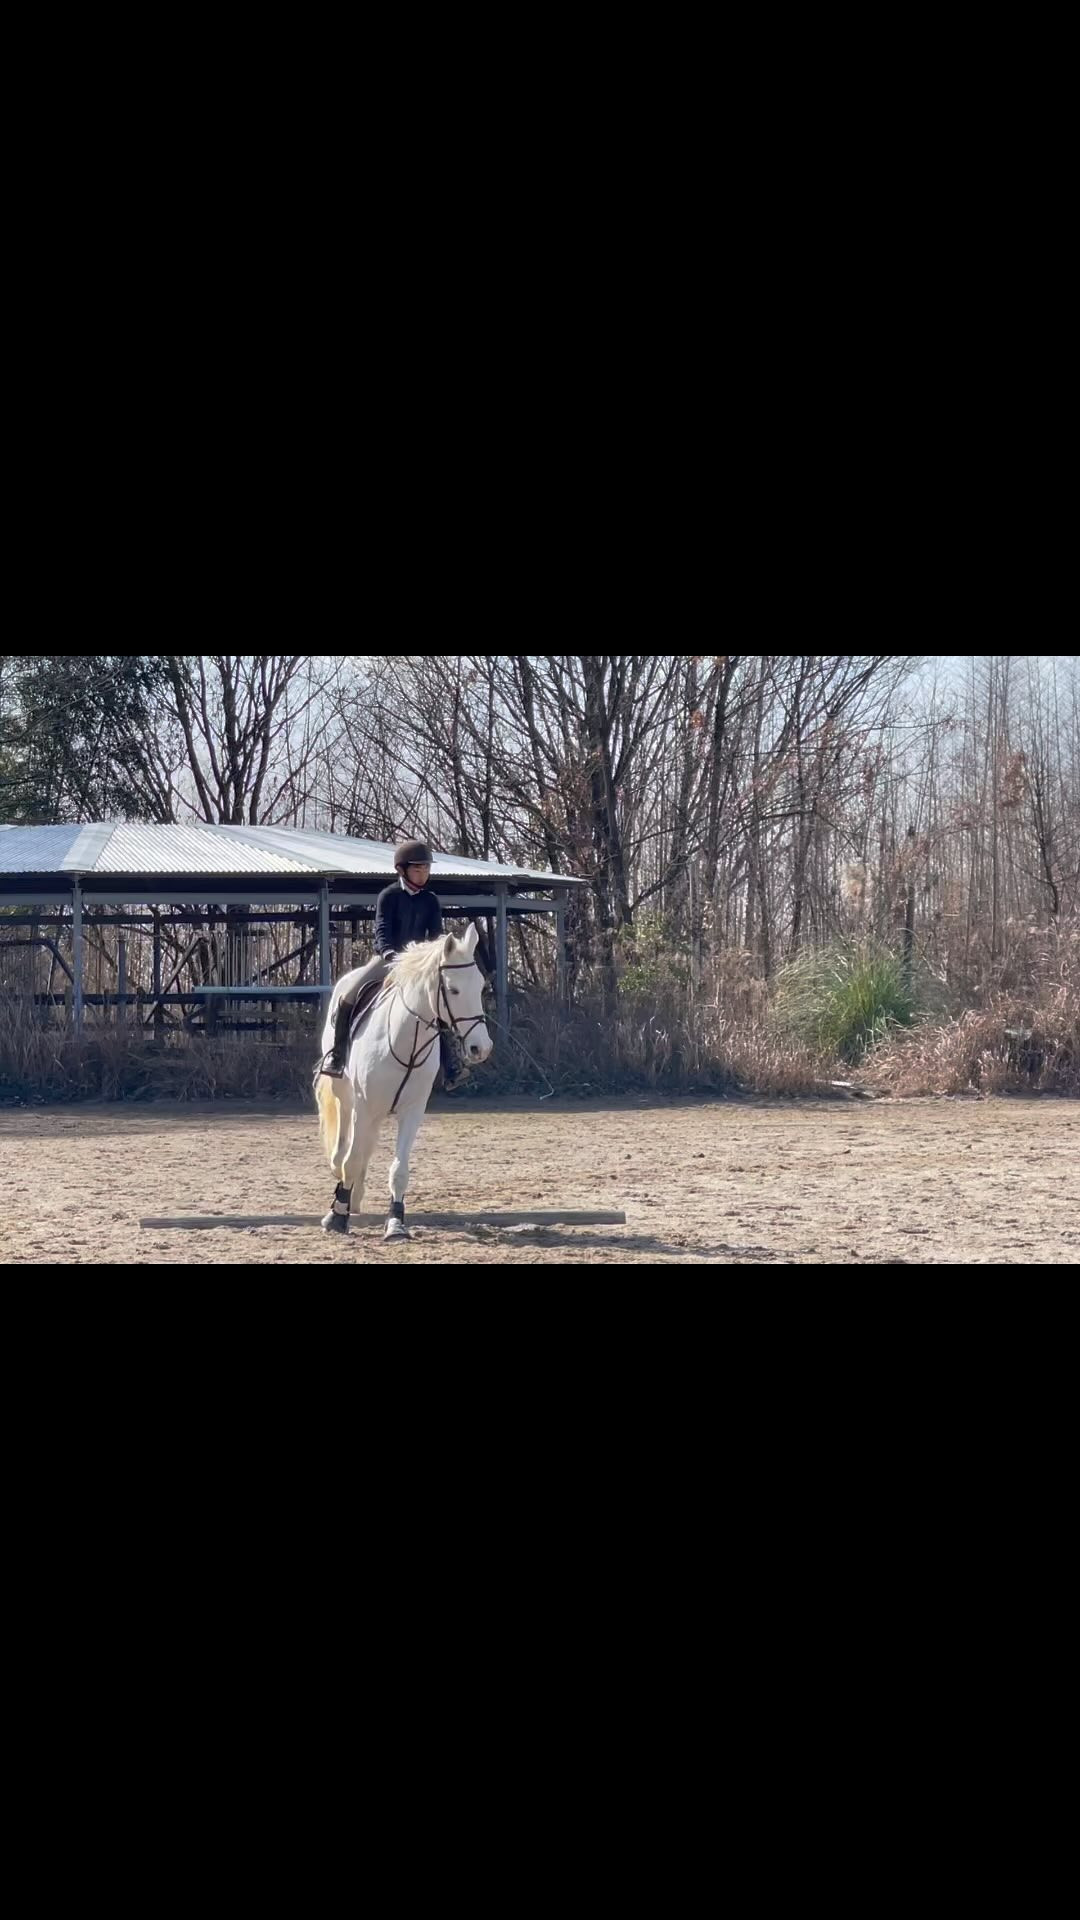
395 1230
335 1223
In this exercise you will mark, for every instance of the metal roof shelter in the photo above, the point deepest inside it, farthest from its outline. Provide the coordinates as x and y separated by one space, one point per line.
114 864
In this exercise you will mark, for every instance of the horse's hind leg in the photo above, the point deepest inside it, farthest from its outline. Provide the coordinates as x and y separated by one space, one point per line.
408 1128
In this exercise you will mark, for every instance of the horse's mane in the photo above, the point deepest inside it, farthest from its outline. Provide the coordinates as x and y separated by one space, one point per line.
419 965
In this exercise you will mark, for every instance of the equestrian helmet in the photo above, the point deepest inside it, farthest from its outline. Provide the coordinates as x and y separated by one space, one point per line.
414 853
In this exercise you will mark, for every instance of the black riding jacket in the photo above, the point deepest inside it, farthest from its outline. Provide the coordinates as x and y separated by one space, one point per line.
401 917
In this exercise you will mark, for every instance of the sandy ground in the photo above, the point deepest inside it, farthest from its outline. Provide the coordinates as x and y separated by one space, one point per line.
719 1183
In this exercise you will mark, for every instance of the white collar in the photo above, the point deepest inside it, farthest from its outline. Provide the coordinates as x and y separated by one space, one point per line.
415 891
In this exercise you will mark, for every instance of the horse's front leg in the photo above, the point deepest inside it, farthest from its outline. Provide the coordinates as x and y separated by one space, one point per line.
337 1109
350 1190
354 1171
408 1127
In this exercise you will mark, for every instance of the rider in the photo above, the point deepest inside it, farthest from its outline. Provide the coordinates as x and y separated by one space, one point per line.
404 912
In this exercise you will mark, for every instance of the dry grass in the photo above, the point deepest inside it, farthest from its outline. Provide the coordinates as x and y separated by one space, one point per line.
39 1063
657 1041
1028 1043
672 1033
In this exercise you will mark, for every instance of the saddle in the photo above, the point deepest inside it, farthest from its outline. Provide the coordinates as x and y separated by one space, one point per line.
365 1001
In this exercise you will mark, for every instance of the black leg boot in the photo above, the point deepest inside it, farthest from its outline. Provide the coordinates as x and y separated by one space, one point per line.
333 1065
337 1220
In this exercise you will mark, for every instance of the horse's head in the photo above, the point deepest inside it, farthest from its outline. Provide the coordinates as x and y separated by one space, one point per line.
461 995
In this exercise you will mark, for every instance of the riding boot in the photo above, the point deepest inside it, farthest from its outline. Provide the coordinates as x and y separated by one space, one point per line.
333 1064
451 1066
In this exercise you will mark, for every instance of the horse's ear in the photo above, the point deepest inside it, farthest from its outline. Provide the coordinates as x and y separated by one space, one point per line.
448 946
471 938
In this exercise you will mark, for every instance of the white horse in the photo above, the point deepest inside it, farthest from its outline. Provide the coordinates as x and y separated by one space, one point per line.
392 1066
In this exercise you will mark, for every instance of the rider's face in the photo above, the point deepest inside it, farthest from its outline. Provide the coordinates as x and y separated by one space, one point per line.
417 873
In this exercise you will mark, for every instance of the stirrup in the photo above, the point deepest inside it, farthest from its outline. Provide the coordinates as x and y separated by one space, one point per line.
329 1066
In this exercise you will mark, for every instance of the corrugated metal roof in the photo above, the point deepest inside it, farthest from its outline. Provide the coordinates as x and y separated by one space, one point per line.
109 848
340 853
37 849
112 847
140 849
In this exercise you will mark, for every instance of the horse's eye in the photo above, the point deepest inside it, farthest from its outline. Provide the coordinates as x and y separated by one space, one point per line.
455 991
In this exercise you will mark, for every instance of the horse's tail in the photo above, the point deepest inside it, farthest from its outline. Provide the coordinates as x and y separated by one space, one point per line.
335 1115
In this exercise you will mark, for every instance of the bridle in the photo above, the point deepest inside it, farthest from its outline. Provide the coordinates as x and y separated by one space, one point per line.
450 1025
421 1050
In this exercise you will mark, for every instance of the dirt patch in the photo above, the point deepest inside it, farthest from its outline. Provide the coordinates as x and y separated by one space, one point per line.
717 1183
